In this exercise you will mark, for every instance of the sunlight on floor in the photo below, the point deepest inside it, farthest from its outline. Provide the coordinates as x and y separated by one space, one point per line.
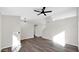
60 38
15 42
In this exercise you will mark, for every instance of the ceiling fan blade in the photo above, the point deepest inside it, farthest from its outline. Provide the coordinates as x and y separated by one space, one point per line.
37 11
44 14
47 11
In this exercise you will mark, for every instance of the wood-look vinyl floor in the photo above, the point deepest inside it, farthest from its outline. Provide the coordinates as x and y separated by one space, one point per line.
43 45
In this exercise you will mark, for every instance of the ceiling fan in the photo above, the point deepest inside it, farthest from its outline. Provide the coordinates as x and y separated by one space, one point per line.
42 11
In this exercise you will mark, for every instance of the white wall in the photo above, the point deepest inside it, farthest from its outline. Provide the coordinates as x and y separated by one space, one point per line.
27 31
10 24
28 28
0 32
39 29
69 25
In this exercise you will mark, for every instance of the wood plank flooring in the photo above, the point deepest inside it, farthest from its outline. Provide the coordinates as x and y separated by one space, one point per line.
43 45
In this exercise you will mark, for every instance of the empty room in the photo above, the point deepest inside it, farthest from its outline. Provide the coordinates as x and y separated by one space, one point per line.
39 29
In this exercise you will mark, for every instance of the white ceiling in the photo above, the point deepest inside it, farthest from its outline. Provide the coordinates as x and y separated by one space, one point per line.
58 12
